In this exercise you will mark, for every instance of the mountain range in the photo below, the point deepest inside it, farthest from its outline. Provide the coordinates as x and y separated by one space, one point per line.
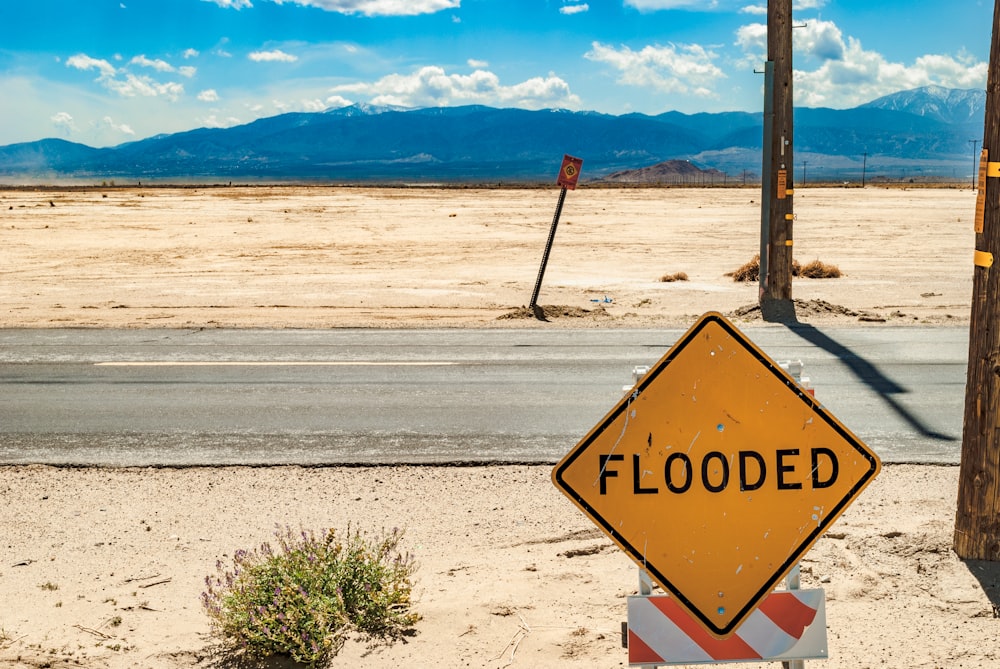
918 134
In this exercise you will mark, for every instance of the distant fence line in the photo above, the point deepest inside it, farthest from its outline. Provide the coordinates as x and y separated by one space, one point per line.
849 177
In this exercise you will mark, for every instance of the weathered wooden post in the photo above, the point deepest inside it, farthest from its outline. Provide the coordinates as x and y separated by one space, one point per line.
977 519
777 216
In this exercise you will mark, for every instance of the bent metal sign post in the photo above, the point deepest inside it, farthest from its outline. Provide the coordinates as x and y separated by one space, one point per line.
716 473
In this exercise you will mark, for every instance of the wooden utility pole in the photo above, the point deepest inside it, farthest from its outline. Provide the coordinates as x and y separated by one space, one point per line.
777 169
977 519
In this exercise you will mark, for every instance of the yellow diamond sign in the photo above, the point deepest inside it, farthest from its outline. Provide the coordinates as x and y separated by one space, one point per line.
716 473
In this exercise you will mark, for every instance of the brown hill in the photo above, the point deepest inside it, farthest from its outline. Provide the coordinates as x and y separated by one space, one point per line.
668 172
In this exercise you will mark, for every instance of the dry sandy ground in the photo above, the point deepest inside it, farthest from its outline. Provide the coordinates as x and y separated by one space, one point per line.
103 567
412 257
511 574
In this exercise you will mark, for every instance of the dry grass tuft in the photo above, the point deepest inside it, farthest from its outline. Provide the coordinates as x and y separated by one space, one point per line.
819 270
750 271
676 276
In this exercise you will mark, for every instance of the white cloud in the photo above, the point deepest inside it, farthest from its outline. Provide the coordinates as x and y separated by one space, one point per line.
125 83
191 53
574 9
275 56
123 128
379 7
752 38
208 95
214 121
760 10
337 101
657 5
820 39
860 76
303 105
832 70
313 105
187 71
158 65
365 7
232 4
34 108
64 122
133 86
683 69
478 64
84 62
431 86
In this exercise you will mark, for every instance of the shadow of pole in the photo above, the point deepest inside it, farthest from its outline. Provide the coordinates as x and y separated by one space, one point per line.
988 575
867 373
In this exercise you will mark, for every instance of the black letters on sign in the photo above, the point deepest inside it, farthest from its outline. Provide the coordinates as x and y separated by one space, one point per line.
669 476
723 463
745 484
786 469
834 470
637 475
606 473
715 469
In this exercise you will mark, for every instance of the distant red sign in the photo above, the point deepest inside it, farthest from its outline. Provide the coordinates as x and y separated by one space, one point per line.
569 173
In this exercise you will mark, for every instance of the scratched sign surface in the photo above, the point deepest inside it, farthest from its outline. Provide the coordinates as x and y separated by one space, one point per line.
716 473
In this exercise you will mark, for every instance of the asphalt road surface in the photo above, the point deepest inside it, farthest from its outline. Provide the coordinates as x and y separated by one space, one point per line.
194 397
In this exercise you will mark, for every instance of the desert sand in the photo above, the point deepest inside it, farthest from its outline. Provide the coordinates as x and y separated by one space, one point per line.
103 567
417 257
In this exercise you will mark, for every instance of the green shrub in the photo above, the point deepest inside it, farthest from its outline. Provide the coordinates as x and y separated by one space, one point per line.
304 596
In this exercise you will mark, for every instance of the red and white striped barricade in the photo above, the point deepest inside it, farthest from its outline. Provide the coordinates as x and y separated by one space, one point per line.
788 625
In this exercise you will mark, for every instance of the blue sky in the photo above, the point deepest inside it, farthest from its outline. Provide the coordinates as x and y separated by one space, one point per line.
104 72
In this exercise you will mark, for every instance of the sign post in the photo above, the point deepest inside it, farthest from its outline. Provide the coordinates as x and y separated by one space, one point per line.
569 174
716 474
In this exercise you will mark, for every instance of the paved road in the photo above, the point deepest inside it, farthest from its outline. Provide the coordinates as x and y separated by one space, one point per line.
179 397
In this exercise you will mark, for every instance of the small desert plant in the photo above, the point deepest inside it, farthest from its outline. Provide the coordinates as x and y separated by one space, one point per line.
302 597
819 270
750 271
676 276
